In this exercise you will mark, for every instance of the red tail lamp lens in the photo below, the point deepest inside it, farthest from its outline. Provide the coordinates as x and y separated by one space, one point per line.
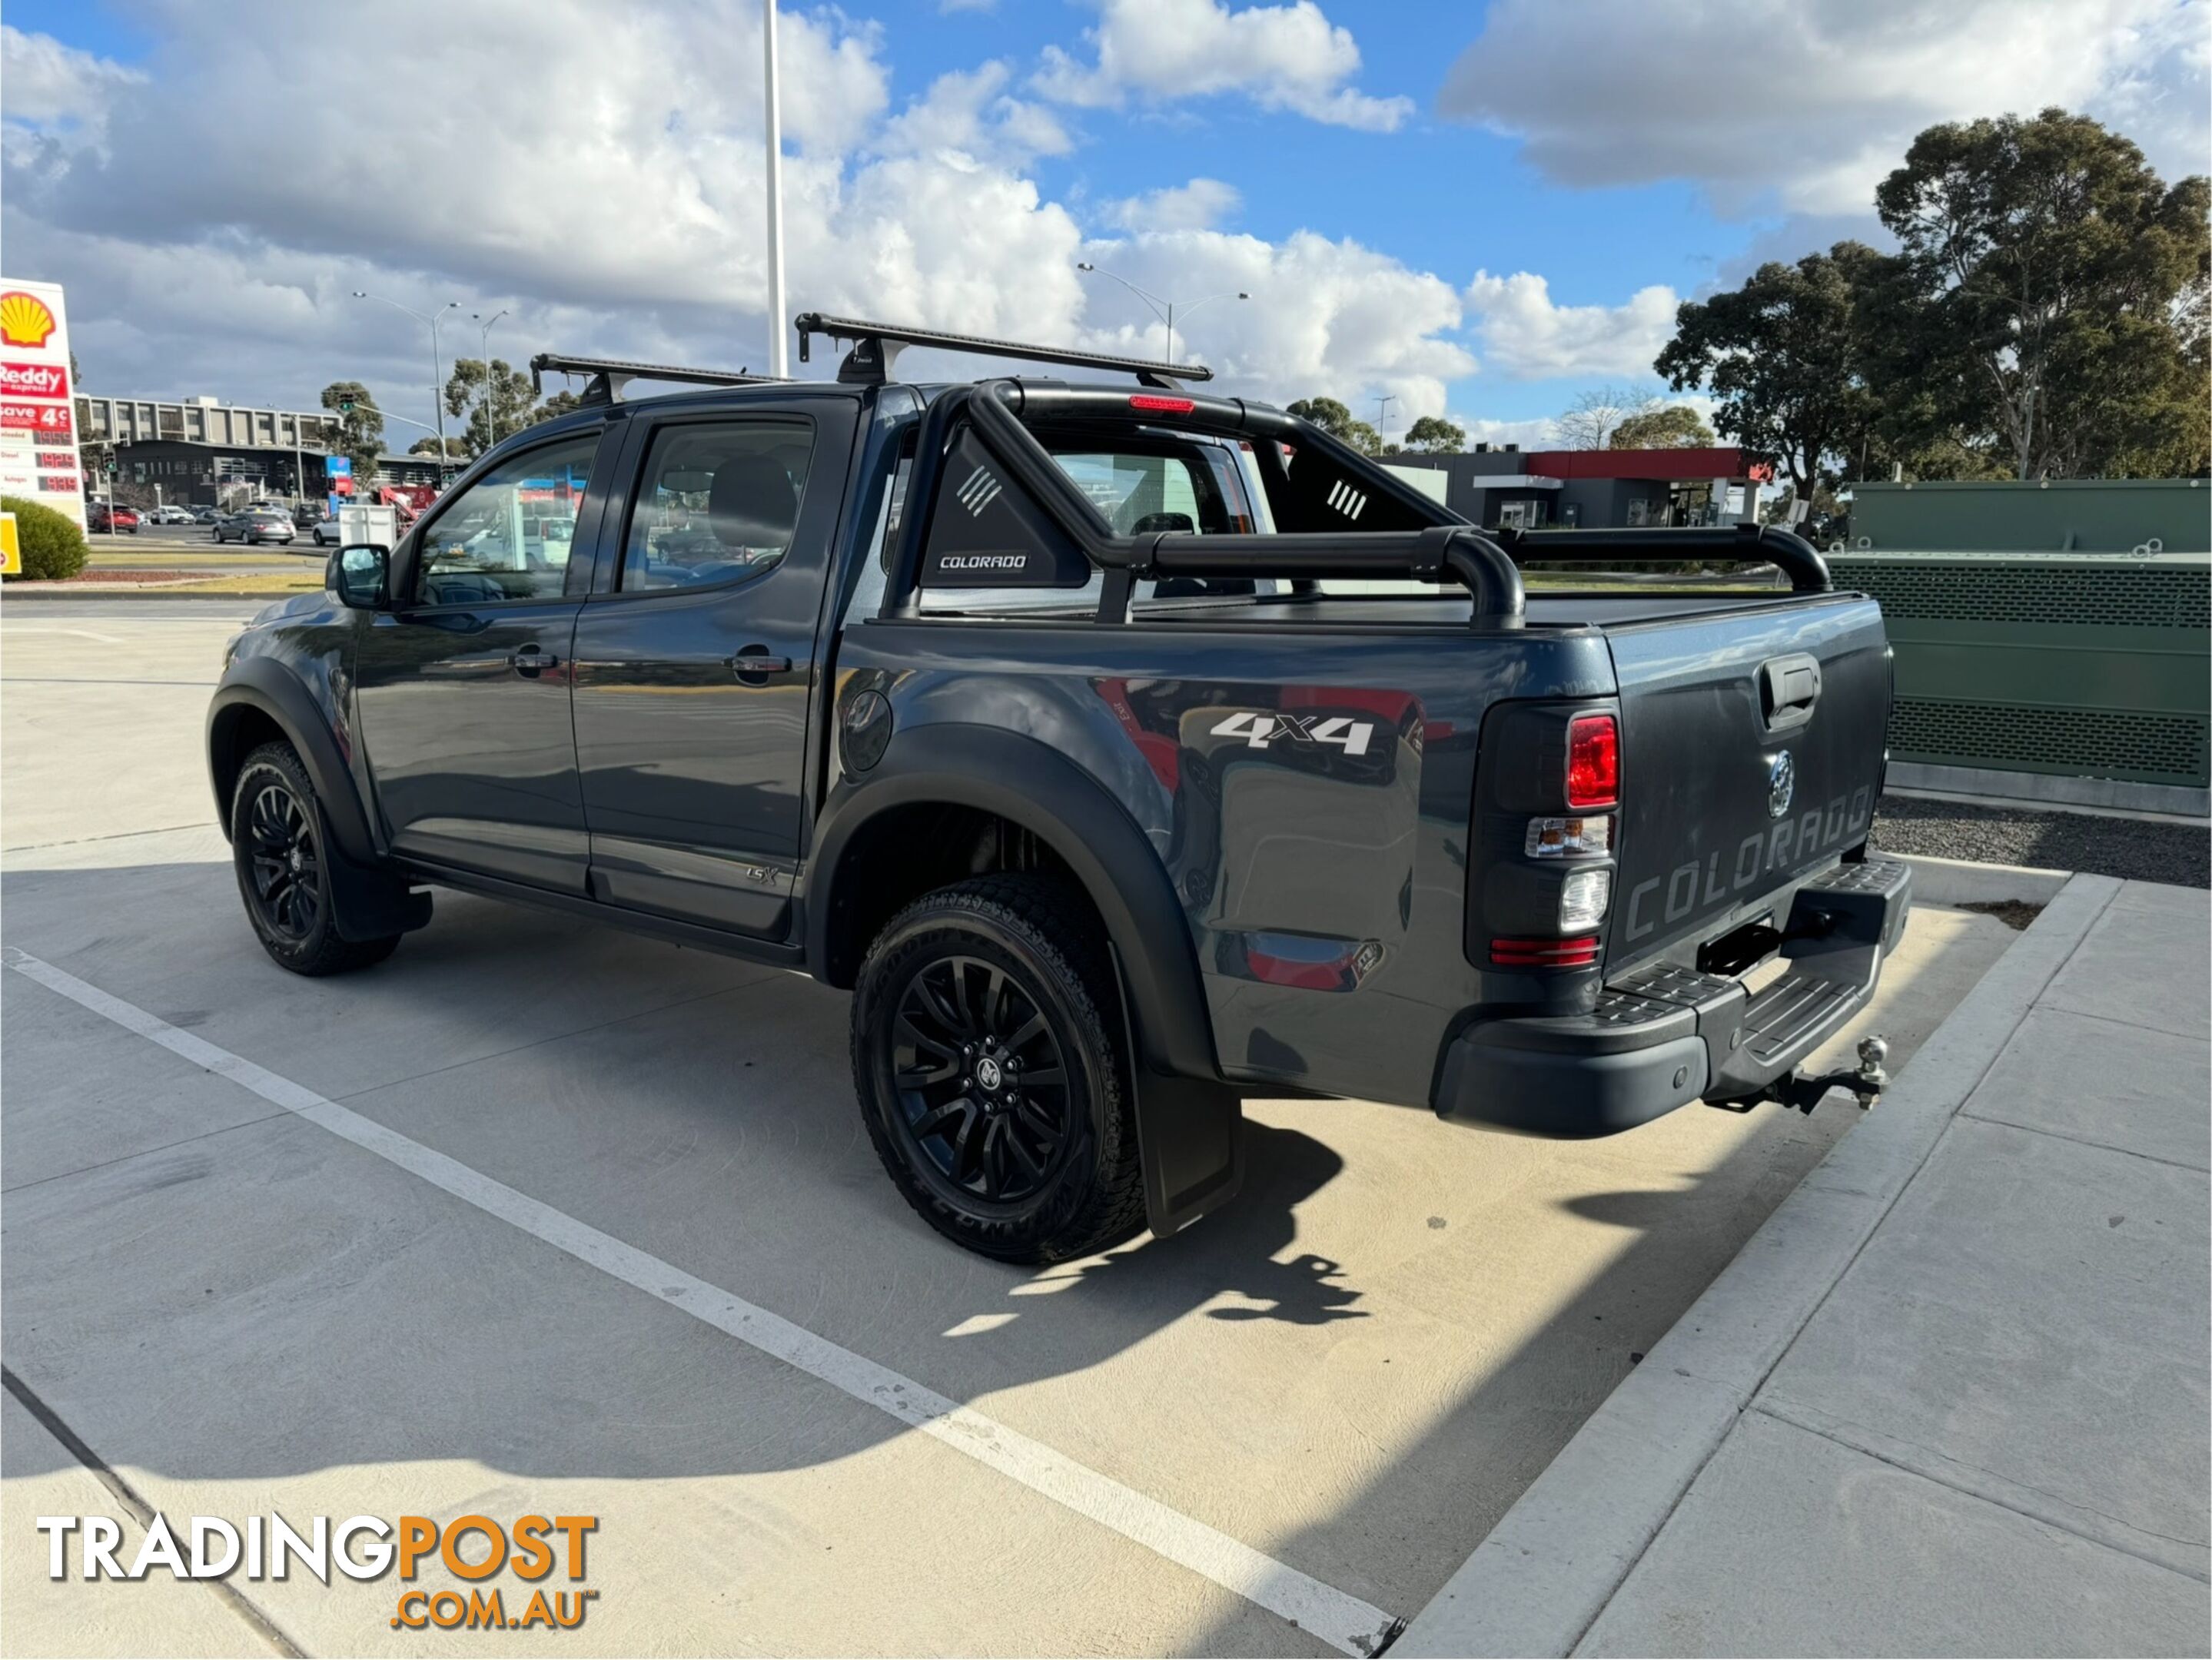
1145 400
1578 951
1593 761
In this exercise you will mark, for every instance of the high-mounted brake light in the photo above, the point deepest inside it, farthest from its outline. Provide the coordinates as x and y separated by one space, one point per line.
1153 401
1593 761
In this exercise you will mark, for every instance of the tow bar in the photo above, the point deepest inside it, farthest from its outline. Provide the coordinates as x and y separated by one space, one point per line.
1806 1090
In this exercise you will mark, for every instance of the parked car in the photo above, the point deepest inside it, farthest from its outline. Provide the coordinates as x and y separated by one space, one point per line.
99 516
169 513
255 526
1026 710
208 515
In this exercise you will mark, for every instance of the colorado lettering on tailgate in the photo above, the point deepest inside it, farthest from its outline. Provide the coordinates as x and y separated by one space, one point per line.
1691 889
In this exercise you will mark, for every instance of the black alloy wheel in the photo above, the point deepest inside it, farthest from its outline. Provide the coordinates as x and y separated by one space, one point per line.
981 1083
987 1055
280 849
286 865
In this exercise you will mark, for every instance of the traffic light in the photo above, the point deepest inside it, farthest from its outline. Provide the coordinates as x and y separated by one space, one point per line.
345 406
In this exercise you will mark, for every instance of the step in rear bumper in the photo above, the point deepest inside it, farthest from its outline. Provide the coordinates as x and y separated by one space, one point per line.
1663 1036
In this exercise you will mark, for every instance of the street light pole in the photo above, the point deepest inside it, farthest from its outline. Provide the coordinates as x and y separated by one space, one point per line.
437 372
1163 309
778 362
491 403
1381 411
299 458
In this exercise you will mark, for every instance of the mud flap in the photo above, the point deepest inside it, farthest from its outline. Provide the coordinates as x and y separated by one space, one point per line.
369 903
1190 1139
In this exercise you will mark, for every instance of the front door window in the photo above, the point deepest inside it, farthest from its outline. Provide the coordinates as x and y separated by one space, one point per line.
507 535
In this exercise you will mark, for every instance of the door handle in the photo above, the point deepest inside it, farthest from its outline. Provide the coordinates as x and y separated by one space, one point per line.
529 659
1788 688
756 663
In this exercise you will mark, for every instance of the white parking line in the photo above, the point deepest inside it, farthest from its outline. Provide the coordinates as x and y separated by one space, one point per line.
1343 1621
14 627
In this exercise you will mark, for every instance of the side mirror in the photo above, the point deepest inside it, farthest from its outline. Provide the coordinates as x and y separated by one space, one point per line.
360 576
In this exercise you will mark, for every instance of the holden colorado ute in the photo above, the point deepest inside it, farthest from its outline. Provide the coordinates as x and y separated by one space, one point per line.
1122 749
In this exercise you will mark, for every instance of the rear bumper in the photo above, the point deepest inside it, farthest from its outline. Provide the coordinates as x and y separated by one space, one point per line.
1663 1036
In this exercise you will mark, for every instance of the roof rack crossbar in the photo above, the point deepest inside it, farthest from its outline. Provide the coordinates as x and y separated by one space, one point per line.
876 347
610 374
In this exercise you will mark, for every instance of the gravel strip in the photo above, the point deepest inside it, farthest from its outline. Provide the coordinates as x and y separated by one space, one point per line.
2134 850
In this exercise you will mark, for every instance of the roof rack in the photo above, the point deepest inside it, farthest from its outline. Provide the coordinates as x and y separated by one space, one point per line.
610 374
876 347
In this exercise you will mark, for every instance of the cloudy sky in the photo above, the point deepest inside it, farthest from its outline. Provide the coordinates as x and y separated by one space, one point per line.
1474 209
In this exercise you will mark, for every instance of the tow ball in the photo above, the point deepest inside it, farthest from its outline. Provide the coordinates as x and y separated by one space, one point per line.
1806 1090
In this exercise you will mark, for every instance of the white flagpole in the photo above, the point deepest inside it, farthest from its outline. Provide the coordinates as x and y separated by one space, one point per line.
779 361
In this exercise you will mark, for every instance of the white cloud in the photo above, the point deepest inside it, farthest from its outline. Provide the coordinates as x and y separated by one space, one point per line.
1540 432
606 186
57 97
967 111
1284 57
1201 204
1527 336
1327 316
1808 104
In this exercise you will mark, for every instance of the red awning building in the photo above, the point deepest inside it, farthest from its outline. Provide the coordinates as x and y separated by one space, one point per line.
1529 489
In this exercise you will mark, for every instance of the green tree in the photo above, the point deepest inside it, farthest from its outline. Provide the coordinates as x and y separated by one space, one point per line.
1782 355
1432 434
52 544
456 449
559 404
497 399
1338 421
1673 427
360 426
2051 294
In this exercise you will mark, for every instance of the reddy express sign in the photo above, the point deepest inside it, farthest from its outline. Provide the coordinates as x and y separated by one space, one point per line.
38 452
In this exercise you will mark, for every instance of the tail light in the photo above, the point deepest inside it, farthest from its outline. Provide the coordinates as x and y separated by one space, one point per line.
1577 951
1593 761
1569 838
1154 402
1546 799
1582 899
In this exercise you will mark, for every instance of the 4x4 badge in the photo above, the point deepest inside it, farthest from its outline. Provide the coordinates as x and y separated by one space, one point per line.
1781 784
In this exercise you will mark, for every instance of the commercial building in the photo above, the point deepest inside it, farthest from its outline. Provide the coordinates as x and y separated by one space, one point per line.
193 451
1509 488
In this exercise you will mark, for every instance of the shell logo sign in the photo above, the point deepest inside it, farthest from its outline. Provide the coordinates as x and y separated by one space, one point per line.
25 320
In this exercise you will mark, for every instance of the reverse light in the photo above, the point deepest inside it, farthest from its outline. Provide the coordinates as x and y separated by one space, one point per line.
1569 838
1583 897
1159 405
1578 952
1593 761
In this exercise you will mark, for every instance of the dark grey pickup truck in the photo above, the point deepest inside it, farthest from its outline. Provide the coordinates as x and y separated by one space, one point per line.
1124 751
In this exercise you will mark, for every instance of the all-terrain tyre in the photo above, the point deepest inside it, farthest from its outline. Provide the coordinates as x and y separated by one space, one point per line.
279 844
988 1058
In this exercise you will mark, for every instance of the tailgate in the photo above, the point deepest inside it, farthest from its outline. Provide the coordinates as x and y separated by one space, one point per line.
1751 754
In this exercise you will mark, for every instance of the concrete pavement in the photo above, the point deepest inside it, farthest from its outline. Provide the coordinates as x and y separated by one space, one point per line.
1952 1397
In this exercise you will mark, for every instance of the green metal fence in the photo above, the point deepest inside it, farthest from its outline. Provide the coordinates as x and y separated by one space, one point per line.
2059 516
2089 665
